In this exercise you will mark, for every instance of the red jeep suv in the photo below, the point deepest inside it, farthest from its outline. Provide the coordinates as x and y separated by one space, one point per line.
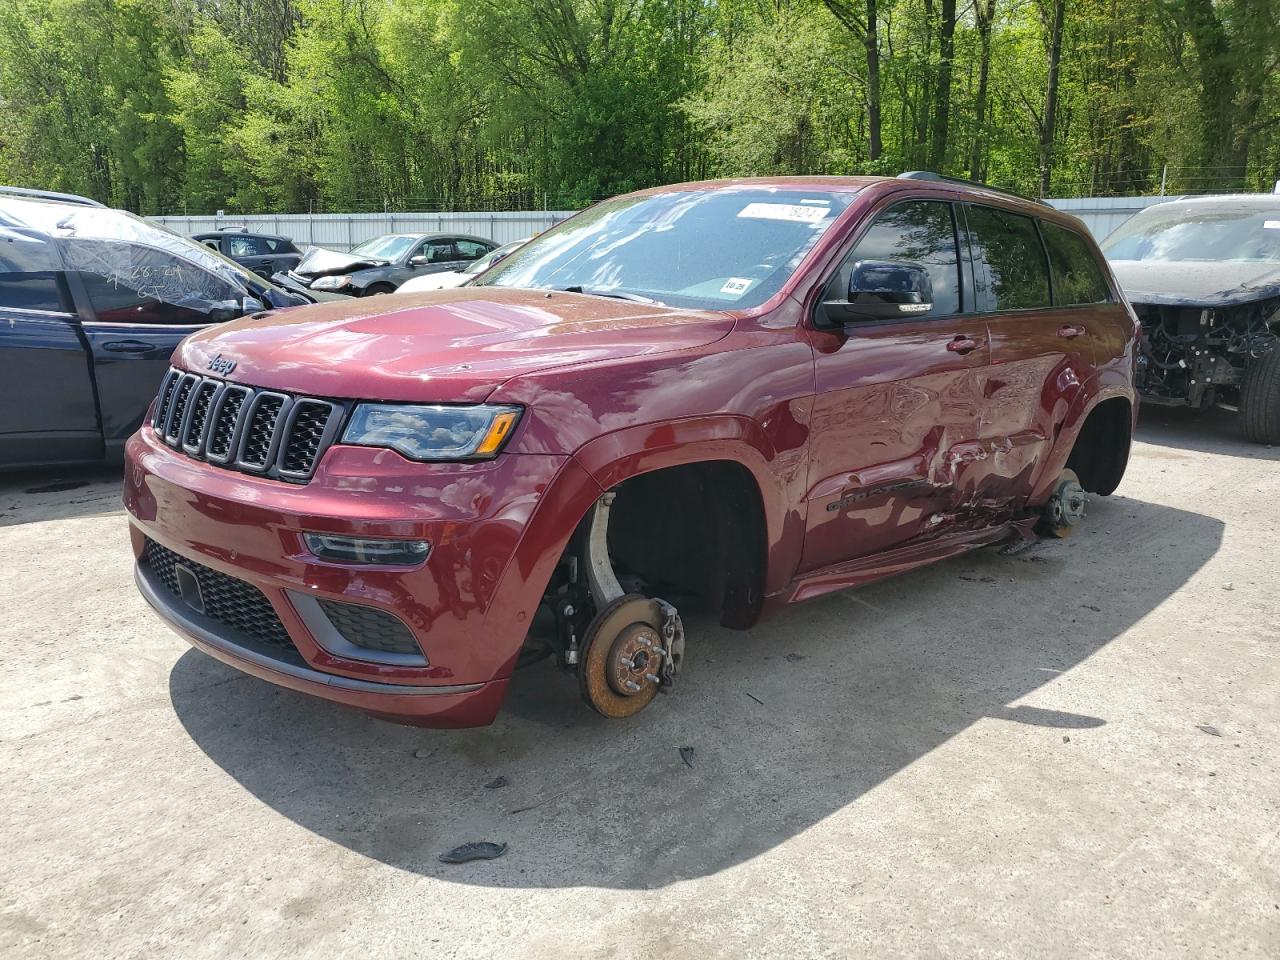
740 393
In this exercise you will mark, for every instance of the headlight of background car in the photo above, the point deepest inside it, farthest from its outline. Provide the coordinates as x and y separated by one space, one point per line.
331 283
435 432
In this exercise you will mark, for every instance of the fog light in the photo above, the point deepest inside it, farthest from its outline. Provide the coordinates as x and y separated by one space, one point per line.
403 553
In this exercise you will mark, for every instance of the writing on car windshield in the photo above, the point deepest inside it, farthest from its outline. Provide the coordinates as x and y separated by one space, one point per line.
721 249
1179 234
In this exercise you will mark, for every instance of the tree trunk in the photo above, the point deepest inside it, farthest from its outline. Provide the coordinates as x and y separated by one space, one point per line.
1048 125
871 40
942 93
985 11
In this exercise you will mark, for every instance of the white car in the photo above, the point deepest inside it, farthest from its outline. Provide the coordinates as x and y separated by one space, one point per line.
456 278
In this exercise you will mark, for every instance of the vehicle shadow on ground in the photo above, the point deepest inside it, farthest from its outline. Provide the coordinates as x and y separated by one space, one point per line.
789 722
1206 431
66 494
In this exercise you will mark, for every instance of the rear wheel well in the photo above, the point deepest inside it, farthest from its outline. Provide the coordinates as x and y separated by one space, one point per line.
1101 451
694 535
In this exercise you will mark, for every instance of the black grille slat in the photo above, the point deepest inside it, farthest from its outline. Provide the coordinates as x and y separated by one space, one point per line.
306 433
259 432
369 627
193 434
166 395
223 432
263 432
230 601
173 426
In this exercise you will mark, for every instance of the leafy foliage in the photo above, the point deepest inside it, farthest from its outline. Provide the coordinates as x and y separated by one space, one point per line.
281 105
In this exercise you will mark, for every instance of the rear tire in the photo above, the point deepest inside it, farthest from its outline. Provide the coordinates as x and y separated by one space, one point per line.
1260 398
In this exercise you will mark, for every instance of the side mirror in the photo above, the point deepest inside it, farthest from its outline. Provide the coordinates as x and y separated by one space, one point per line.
420 260
883 290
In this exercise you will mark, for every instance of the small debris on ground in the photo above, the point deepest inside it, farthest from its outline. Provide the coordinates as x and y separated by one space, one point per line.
1066 739
58 487
793 658
481 850
422 753
1090 606
1228 586
1210 730
969 579
686 754
755 698
496 783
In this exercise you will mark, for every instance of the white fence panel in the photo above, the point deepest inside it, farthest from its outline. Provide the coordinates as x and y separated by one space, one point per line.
1103 214
342 231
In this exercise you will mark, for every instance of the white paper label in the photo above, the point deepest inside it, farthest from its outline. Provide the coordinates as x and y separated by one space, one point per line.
795 212
1271 224
736 286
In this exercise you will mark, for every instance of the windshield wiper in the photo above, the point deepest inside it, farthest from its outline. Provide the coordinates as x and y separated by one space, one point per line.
616 294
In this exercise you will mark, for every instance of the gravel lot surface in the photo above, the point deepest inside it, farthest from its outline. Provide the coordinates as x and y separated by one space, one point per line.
1070 752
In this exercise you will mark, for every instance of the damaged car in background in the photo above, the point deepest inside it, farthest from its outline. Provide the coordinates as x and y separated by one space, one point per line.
1203 275
382 264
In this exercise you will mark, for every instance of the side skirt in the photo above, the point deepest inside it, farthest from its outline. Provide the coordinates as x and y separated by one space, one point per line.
855 573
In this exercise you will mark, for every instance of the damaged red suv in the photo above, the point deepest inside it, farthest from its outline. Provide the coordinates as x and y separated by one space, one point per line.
740 393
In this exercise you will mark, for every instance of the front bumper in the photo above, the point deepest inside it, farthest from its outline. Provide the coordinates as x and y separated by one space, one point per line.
468 606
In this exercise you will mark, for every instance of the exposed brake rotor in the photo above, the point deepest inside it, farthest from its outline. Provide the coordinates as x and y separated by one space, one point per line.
1065 508
630 651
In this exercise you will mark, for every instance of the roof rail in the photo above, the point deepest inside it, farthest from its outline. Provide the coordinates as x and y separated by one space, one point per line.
940 178
49 195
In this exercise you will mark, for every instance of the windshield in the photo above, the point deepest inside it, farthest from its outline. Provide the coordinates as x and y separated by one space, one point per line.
727 248
1185 233
488 260
390 247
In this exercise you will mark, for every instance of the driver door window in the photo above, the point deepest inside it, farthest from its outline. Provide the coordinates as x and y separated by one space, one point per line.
918 232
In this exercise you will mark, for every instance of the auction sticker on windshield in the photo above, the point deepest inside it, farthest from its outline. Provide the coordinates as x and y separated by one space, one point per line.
794 212
736 286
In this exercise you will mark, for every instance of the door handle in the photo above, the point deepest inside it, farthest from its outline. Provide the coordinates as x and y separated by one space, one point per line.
129 346
962 345
1068 331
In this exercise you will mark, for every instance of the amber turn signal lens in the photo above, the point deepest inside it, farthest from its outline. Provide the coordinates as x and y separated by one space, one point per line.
498 430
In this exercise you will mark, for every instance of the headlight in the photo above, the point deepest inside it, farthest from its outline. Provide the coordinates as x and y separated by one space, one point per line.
435 432
331 283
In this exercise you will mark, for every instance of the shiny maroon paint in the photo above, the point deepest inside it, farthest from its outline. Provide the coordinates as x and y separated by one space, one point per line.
822 421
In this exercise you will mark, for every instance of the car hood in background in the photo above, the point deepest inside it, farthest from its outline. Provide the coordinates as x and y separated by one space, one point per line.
1197 283
434 281
319 262
441 346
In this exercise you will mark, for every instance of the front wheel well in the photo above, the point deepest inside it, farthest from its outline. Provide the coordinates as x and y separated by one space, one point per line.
1101 451
693 534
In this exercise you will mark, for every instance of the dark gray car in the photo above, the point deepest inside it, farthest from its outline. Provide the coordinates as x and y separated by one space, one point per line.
1203 275
380 265
263 253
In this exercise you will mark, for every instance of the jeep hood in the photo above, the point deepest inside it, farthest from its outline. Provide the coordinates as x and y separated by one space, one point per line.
319 262
1219 283
442 345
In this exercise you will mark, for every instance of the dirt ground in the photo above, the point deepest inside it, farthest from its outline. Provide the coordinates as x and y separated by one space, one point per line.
1070 752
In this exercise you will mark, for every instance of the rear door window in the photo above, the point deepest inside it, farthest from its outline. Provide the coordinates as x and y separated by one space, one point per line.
1077 276
918 232
1009 260
470 250
248 247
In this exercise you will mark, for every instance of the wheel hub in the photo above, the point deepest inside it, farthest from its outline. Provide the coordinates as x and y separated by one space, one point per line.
624 656
1066 506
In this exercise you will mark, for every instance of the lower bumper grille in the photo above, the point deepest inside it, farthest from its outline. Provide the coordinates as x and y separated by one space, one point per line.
232 602
369 628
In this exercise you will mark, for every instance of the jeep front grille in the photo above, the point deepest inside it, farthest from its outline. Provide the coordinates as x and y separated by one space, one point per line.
264 432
